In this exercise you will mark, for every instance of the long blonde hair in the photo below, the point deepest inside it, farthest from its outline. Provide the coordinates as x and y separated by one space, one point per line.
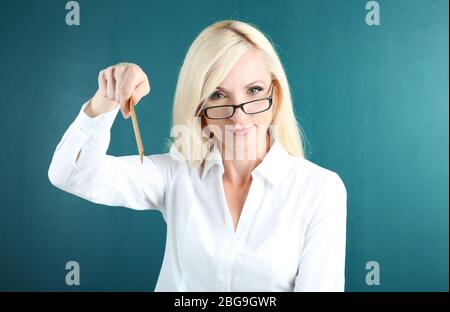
210 57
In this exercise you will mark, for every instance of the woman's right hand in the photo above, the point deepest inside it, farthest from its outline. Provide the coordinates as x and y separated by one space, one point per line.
116 85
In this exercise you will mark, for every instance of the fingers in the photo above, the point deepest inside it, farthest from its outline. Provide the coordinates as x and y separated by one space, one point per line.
131 78
141 90
110 84
102 83
121 82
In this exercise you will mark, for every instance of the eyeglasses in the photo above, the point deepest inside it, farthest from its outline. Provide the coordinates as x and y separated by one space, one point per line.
250 108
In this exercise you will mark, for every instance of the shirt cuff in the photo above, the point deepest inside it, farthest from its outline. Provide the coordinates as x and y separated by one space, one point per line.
94 125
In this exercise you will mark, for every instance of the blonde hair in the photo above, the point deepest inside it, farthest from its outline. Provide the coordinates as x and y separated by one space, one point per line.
210 57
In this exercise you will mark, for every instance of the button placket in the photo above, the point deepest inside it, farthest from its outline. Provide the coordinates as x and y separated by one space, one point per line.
226 261
236 241
222 265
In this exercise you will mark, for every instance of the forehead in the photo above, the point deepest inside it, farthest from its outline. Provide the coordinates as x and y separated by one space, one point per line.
250 67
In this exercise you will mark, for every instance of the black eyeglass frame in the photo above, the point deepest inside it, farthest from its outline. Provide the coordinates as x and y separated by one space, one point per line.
241 106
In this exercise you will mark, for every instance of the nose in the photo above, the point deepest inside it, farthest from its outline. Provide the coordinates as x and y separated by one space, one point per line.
239 117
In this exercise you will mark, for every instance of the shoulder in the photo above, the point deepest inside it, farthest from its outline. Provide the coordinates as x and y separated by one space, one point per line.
321 191
167 161
316 178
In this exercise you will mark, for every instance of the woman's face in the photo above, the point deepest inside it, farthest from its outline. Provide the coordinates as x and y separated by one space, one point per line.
248 80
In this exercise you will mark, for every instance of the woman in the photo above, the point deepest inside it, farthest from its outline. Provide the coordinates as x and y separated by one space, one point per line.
245 211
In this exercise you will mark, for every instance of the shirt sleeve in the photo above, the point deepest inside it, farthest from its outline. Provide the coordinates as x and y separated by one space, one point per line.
322 260
105 179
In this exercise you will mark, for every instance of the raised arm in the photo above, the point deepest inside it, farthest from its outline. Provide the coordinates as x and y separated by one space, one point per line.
81 166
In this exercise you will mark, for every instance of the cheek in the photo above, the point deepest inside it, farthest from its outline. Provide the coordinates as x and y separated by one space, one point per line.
216 127
264 120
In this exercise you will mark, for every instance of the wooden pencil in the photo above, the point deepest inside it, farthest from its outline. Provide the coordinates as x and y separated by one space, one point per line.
137 133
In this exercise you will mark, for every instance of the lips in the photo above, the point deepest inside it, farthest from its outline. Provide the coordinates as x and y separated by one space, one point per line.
241 130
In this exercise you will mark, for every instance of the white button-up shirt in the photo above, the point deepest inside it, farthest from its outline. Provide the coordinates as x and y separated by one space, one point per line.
291 234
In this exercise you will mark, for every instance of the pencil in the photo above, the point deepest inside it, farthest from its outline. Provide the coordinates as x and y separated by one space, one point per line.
137 133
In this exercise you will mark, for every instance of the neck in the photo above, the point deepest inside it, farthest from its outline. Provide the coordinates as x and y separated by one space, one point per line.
238 171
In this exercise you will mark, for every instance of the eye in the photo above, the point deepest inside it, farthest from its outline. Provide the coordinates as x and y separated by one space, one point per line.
255 90
217 96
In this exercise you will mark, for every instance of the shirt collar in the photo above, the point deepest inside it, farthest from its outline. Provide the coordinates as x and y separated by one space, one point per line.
213 158
271 167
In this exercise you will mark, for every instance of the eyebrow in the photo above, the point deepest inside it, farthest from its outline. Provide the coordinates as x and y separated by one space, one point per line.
246 86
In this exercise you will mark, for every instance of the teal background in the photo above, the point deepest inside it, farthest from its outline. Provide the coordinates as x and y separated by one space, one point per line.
373 102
